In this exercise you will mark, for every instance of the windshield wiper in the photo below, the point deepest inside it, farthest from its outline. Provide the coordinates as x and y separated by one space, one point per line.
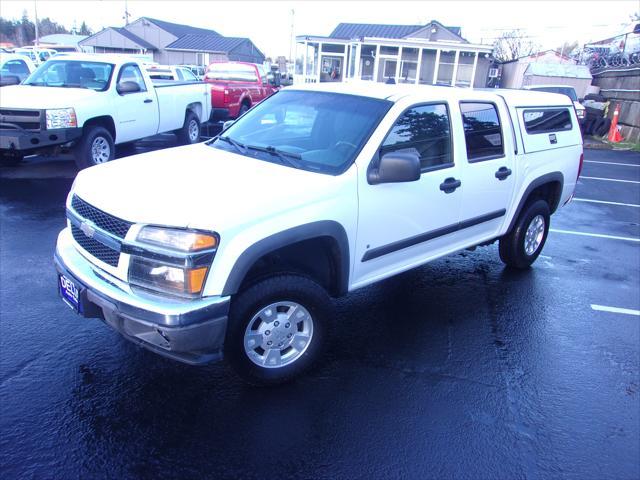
239 146
283 155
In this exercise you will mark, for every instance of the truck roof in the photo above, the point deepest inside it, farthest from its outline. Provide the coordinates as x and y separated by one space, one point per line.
421 93
98 57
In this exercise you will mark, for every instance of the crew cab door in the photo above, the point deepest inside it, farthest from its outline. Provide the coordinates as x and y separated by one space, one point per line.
401 225
489 171
137 111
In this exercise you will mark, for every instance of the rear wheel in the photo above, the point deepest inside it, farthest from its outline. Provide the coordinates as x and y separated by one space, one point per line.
190 131
522 246
95 147
244 108
276 329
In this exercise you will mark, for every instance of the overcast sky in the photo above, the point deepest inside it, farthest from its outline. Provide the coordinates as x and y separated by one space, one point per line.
268 23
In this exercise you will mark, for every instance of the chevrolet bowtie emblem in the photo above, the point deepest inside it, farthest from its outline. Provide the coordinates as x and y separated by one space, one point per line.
87 229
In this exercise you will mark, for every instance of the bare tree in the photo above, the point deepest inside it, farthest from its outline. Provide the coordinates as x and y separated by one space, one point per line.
512 45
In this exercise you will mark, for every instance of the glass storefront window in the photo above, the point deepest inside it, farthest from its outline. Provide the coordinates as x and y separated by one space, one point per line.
332 48
409 65
367 61
388 50
445 67
465 69
312 59
427 66
352 61
299 58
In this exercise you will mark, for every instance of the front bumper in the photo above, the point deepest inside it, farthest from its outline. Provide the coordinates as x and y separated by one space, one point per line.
19 140
190 331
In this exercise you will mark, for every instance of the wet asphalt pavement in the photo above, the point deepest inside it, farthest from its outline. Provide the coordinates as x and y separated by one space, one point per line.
459 369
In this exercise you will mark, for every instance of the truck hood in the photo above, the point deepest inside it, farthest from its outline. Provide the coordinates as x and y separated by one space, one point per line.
25 96
199 186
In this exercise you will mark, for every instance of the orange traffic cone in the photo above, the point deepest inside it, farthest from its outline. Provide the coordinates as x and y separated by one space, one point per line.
614 132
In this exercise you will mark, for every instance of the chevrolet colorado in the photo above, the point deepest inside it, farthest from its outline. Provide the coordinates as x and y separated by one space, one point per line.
233 247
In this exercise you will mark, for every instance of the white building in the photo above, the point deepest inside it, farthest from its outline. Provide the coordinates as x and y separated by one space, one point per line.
429 54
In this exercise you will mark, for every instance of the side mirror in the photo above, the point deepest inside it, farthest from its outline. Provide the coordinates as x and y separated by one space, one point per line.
128 87
227 124
396 167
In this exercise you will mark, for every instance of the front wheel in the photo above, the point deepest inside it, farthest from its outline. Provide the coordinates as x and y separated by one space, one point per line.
522 246
276 329
95 147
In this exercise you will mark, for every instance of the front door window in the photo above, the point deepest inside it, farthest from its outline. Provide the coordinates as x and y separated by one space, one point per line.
331 69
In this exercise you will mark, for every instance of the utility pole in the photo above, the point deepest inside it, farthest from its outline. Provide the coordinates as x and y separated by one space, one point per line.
35 7
293 13
126 13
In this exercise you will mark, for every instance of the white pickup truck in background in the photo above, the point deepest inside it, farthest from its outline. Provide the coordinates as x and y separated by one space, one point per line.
89 103
232 247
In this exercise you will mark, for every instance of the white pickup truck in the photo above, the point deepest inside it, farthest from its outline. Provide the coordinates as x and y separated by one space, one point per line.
89 103
233 247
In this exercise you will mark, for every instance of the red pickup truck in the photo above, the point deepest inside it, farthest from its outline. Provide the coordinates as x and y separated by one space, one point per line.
236 87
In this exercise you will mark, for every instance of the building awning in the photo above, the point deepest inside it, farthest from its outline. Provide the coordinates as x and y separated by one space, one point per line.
558 70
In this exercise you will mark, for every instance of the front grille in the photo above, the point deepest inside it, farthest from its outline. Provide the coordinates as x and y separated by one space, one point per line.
25 119
95 248
103 220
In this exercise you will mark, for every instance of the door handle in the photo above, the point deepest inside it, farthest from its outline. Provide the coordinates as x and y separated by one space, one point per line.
449 185
502 173
148 100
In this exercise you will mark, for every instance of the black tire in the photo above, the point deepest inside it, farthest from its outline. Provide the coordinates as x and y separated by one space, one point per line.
244 108
101 139
596 126
247 305
596 97
588 126
603 128
512 245
186 135
10 159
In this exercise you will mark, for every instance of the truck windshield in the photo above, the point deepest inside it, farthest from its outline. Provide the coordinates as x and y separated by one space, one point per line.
72 74
568 91
316 131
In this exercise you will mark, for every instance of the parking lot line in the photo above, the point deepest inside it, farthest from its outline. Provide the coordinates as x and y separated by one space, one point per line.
626 311
605 202
613 163
608 179
597 235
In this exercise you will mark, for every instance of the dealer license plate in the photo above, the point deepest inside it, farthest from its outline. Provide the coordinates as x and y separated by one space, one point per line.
70 292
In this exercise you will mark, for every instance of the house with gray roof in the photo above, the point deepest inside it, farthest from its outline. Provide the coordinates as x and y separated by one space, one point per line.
431 54
173 43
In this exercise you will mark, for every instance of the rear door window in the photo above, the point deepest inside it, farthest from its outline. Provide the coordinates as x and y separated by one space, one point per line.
482 131
425 129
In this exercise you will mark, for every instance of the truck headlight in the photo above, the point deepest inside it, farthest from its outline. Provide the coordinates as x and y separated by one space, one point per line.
61 118
169 276
173 238
160 277
580 113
